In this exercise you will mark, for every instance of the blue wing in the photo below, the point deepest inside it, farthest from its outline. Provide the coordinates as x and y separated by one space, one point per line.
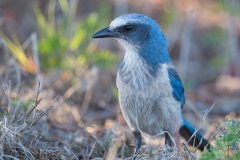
176 84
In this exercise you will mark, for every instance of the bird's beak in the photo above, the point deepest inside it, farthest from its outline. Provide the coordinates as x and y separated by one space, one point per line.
104 33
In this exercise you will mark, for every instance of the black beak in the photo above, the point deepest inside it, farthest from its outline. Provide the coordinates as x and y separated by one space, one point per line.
104 33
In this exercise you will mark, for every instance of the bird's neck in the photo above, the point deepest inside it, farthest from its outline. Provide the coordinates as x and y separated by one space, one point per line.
141 64
135 71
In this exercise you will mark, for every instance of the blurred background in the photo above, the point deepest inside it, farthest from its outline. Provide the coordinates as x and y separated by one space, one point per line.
49 41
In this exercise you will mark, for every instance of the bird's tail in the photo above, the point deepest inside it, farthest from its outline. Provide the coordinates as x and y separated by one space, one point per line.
187 130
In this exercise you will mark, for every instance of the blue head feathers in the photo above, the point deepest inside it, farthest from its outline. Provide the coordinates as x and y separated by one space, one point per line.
139 34
143 34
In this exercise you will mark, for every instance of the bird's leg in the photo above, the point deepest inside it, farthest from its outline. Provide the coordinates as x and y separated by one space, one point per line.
138 140
168 139
138 143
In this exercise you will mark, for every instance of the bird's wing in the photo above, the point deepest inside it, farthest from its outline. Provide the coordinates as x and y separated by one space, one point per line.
177 87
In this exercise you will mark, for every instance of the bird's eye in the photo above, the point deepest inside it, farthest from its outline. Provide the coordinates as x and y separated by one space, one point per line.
127 28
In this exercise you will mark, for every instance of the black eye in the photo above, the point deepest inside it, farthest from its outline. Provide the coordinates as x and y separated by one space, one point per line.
127 28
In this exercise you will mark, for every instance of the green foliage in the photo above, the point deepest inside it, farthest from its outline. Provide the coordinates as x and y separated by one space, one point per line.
216 36
227 143
167 16
230 6
219 61
24 106
65 42
115 92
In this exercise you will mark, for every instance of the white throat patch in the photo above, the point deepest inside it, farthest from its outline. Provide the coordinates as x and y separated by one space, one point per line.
135 72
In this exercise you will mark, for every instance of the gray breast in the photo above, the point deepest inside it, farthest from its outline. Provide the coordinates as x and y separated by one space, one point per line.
152 109
138 75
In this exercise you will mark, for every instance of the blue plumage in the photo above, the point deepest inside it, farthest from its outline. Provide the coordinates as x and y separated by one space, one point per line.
154 56
177 87
187 130
151 93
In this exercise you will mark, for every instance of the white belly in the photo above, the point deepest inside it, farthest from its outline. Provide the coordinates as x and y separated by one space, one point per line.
151 109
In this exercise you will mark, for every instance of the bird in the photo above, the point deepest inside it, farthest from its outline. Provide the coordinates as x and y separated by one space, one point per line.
150 91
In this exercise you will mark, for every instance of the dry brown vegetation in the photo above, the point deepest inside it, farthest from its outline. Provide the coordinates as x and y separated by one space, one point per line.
73 112
29 134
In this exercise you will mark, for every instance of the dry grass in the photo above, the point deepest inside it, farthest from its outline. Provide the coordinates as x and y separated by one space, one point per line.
18 138
27 135
30 134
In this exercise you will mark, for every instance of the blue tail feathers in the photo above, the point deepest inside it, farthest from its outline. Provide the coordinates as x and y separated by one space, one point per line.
187 130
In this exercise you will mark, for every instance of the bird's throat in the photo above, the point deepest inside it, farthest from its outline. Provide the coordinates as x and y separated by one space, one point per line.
134 71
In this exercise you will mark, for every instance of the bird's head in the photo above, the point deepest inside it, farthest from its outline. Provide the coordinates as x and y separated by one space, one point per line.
139 35
134 30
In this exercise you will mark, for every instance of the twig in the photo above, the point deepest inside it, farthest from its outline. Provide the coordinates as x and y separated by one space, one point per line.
203 121
37 101
195 110
44 111
8 95
90 153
